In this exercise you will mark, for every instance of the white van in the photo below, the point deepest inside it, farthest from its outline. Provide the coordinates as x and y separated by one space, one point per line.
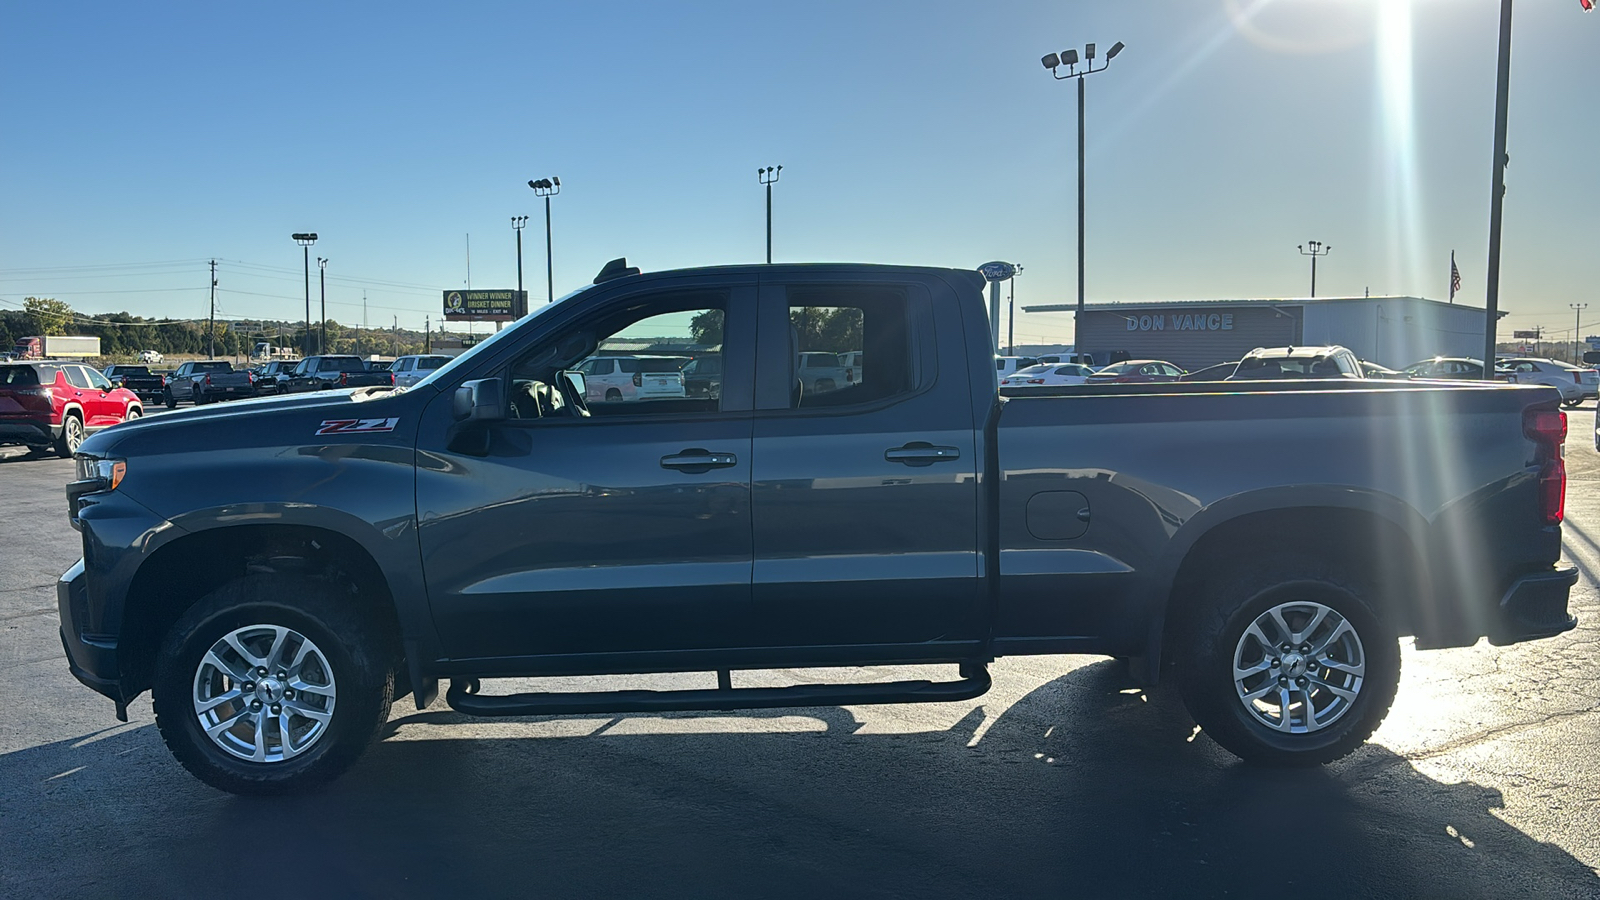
1008 365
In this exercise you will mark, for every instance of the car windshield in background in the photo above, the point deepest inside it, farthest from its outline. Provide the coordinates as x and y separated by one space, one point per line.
18 376
431 362
342 364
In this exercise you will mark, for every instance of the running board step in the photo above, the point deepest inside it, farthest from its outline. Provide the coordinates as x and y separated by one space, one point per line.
975 682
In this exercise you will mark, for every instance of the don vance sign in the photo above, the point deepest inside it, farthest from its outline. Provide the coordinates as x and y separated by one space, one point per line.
1182 322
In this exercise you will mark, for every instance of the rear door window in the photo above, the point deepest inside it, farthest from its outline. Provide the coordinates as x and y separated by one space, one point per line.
77 377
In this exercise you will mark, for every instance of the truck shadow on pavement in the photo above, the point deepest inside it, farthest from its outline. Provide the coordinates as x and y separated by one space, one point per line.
1085 787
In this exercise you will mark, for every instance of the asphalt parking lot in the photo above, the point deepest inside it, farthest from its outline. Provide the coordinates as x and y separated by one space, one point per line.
1064 780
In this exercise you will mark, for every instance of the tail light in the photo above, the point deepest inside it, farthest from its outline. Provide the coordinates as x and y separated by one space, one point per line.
163 381
638 380
208 381
1036 381
344 378
1548 429
1577 375
850 376
391 379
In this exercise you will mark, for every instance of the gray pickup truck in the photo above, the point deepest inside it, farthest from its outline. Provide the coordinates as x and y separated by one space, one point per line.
320 373
278 577
204 381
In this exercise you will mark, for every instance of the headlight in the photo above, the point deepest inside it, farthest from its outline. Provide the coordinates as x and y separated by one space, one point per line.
107 472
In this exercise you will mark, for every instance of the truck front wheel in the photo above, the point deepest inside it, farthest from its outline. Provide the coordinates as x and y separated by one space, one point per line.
272 685
1289 664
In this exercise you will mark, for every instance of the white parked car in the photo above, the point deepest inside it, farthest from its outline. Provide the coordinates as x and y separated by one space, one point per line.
614 379
150 356
1576 384
409 370
1046 374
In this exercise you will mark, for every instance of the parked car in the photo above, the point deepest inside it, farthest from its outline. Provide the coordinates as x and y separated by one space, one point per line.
617 379
1011 365
1452 368
272 377
1137 371
702 377
1297 362
251 567
1082 359
205 381
1575 384
54 406
1373 370
409 370
820 372
1218 372
1042 374
151 358
139 379
320 373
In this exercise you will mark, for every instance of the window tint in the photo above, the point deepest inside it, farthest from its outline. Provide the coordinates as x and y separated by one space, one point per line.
646 345
96 380
871 321
18 376
432 362
77 377
212 367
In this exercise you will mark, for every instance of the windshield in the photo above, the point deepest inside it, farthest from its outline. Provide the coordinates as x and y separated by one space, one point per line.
494 340
662 364
212 367
16 376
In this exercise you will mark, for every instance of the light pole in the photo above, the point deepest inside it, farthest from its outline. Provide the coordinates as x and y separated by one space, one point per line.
305 241
769 176
1011 312
547 188
1054 62
518 222
1317 249
1577 330
322 286
1497 189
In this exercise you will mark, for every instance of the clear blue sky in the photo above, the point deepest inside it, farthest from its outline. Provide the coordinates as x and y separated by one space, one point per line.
1228 132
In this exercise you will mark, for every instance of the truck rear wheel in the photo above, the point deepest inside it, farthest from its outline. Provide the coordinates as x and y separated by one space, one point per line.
171 401
1289 664
272 685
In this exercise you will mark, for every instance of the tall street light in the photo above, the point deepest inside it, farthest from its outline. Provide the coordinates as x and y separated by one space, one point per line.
322 286
1317 249
1497 189
305 241
547 188
769 176
518 222
1577 330
1011 313
1054 62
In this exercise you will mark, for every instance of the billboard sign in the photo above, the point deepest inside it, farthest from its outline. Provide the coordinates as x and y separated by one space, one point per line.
485 306
1525 335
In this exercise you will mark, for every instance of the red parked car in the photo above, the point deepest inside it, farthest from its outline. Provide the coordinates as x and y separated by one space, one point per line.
1137 371
56 405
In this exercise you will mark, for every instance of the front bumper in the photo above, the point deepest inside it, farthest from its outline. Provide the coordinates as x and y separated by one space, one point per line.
91 657
1535 606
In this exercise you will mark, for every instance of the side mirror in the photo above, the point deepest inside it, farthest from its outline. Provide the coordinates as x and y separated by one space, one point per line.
483 400
575 378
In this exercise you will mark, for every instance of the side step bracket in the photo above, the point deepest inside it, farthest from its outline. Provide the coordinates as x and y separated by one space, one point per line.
464 698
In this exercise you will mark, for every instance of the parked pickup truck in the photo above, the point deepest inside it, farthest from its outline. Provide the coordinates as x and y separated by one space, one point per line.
277 576
203 381
139 379
318 373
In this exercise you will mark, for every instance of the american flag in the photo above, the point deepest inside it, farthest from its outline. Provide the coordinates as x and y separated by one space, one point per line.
1455 273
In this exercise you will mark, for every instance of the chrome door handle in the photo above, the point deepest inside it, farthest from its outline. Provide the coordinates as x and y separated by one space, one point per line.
696 460
921 453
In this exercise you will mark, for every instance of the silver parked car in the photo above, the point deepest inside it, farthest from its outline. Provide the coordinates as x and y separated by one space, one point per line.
1575 383
409 370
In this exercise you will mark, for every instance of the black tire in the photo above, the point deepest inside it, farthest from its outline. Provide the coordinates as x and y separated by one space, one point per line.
133 412
1216 631
171 401
360 653
72 434
198 398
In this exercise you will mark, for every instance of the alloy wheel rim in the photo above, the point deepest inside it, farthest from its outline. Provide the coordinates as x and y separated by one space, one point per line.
1299 667
74 433
264 693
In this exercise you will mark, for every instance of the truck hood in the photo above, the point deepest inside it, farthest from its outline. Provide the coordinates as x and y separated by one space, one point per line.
262 421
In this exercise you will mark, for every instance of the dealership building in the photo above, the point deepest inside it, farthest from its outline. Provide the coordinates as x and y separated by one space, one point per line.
1193 334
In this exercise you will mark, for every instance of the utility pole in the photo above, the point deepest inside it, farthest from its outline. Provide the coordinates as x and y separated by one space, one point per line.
211 327
547 188
1577 330
363 321
427 334
322 285
1011 316
769 176
394 343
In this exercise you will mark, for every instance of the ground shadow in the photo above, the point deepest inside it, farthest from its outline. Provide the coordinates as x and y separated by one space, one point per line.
1084 788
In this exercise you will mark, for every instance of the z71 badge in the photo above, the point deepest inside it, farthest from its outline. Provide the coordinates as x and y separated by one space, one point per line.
357 426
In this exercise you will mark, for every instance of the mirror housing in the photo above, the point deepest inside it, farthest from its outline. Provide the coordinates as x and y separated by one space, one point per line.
481 401
575 378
